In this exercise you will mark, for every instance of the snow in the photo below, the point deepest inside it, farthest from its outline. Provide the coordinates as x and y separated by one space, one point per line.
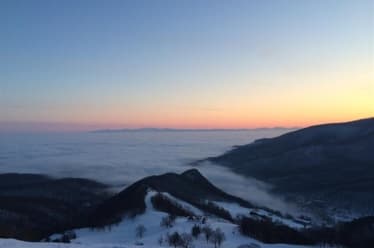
235 210
185 205
123 234
12 243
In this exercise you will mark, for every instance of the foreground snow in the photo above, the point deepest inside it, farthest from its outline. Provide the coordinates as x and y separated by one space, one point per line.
123 234
12 243
236 210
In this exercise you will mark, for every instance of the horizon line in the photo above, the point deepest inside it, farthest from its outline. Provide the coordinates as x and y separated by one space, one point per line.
151 129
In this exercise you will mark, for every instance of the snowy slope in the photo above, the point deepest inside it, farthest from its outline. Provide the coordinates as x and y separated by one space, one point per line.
124 232
236 210
12 243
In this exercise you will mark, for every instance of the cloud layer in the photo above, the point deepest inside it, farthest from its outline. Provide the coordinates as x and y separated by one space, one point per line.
122 158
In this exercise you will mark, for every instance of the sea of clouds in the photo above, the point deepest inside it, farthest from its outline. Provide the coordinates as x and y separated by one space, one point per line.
122 158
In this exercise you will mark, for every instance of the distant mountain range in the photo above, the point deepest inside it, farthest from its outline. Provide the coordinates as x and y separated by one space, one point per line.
332 164
184 129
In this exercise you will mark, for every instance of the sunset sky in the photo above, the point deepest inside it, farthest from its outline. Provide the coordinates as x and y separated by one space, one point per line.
82 64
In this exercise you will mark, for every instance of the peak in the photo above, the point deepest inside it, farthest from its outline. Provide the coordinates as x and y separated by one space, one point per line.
192 173
195 176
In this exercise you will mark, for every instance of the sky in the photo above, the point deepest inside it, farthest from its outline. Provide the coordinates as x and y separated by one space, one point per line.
85 64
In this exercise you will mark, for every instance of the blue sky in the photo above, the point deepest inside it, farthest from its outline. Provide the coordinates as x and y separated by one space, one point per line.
185 63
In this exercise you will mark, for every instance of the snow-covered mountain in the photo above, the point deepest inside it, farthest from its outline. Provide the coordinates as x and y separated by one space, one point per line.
190 187
186 210
187 200
124 232
329 166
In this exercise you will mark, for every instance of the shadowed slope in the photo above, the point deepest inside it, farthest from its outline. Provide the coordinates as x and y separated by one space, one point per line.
333 161
34 206
189 186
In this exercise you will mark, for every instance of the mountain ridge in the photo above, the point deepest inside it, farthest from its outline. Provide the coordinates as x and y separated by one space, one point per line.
318 161
151 129
189 186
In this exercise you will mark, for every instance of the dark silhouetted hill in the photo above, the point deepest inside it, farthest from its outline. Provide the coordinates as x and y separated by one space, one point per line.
331 162
190 186
34 206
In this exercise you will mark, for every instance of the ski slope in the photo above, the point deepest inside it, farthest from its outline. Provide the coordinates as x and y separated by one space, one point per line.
123 234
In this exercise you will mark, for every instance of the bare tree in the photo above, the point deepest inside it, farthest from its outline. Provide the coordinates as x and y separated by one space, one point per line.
217 237
168 221
174 239
186 240
195 231
140 230
207 230
160 240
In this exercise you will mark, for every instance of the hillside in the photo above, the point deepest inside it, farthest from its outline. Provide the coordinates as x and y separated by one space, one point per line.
124 232
33 206
189 186
332 162
164 205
